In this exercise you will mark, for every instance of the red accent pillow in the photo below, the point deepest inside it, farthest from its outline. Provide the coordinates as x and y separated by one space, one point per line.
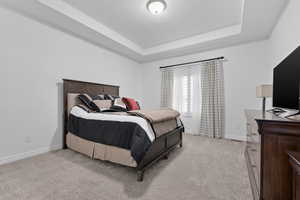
131 104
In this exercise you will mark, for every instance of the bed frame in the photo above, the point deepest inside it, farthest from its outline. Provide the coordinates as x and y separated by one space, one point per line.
159 149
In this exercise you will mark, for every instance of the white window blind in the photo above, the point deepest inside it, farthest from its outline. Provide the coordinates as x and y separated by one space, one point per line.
187 94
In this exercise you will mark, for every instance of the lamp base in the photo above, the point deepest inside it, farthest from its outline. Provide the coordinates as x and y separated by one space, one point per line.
264 105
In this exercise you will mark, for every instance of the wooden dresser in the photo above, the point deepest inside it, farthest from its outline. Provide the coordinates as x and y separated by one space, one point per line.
294 158
268 139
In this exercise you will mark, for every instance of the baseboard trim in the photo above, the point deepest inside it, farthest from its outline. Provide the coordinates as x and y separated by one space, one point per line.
236 137
28 154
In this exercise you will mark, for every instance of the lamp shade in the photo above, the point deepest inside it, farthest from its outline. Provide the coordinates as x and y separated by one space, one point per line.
264 91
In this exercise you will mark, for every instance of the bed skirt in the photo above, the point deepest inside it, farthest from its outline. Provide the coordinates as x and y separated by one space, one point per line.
100 151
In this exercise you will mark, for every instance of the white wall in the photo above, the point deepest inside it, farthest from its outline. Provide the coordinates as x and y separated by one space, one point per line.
286 35
245 69
33 60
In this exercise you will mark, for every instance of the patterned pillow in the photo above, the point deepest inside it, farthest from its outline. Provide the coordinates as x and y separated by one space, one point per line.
103 104
88 102
119 105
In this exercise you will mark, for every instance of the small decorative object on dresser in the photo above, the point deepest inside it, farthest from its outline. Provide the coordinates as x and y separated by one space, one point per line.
264 91
294 158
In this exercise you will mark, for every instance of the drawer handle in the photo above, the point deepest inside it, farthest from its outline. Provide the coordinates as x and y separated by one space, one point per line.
253 166
254 150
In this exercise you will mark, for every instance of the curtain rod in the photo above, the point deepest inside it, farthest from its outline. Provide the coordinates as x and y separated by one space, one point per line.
194 62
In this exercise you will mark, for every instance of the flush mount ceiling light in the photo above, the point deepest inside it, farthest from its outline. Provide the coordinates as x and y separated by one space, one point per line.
156 7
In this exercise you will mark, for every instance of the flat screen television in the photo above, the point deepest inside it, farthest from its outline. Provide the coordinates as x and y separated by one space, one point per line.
286 82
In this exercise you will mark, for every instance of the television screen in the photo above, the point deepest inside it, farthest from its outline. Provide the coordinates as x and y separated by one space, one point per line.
286 83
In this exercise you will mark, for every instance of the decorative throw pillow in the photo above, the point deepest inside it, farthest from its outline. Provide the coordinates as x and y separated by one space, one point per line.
99 97
88 101
119 105
131 104
103 104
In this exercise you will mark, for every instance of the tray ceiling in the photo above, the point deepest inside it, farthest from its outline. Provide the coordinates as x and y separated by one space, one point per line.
126 27
181 19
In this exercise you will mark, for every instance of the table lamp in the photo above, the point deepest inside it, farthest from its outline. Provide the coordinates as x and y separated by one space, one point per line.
264 91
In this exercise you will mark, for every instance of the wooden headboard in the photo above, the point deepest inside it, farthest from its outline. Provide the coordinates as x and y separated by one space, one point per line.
73 86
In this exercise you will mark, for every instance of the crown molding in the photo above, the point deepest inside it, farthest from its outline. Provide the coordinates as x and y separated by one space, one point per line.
78 16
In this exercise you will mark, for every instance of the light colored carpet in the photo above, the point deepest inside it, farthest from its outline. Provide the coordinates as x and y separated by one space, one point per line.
204 169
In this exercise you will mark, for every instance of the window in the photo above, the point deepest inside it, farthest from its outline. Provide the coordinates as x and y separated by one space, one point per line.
183 94
187 94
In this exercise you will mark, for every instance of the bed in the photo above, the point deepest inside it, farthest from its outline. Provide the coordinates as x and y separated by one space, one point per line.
159 148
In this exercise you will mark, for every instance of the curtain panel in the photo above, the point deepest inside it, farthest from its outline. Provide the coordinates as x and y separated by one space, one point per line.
213 106
167 88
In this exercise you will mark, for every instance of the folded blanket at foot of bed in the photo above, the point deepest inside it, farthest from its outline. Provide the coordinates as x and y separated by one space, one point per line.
162 121
156 116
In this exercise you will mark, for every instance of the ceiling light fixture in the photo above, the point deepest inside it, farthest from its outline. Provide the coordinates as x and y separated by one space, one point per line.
156 7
